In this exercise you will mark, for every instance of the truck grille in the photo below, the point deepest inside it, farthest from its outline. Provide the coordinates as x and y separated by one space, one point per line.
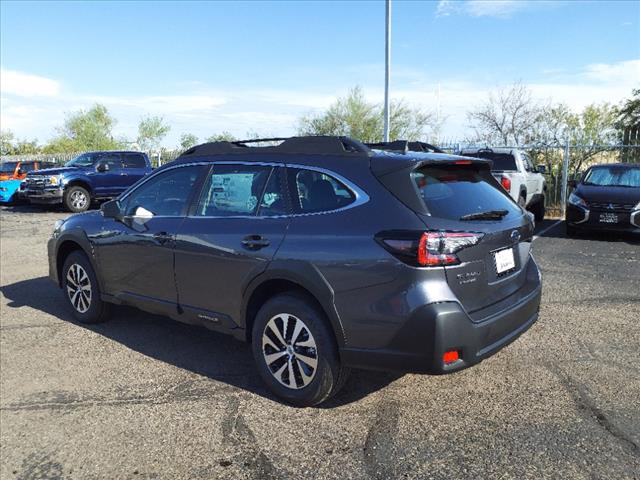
619 207
35 182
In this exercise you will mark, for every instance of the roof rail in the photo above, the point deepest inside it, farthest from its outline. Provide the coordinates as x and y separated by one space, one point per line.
405 146
323 145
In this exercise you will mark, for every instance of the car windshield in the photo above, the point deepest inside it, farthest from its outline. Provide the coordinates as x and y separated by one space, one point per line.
84 160
8 167
613 176
501 161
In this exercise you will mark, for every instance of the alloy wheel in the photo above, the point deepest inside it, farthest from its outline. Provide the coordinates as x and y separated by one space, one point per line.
78 199
79 288
289 351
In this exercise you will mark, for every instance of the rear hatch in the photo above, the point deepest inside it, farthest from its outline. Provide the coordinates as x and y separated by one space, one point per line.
456 197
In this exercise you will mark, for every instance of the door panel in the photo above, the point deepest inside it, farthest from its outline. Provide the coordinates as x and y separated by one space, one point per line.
137 253
238 226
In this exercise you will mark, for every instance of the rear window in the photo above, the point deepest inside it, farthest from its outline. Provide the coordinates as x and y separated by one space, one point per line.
452 191
501 161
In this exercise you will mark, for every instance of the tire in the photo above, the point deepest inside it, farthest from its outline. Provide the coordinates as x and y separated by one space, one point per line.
307 327
81 289
77 199
539 211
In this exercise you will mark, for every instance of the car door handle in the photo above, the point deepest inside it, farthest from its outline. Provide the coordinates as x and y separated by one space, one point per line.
255 242
162 237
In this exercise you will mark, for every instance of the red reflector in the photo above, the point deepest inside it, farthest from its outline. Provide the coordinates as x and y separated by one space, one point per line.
450 357
506 183
462 162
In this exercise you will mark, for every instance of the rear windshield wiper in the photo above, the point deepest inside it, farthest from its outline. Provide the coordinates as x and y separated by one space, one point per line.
488 215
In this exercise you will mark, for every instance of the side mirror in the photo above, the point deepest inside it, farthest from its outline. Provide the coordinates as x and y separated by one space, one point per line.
572 184
102 167
542 169
111 209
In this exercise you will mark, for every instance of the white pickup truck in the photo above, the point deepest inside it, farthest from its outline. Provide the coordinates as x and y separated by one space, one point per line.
516 173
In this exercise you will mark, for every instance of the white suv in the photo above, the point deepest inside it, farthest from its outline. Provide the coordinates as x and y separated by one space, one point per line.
515 171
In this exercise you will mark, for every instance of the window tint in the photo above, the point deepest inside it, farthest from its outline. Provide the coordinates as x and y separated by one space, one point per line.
501 161
235 190
166 193
452 191
134 160
114 160
314 191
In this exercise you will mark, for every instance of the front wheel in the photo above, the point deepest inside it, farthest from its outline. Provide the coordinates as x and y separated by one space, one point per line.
81 289
295 351
77 199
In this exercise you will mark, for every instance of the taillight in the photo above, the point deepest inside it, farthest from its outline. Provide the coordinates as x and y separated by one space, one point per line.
428 249
506 183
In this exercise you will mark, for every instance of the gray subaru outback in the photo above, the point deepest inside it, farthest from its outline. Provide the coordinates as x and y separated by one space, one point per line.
324 253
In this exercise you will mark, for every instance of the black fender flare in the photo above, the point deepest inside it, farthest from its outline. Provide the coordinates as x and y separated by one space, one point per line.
78 237
308 277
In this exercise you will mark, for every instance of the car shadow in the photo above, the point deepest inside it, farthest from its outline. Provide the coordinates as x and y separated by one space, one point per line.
196 349
559 231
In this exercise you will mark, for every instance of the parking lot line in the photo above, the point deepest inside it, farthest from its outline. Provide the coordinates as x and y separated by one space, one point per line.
542 232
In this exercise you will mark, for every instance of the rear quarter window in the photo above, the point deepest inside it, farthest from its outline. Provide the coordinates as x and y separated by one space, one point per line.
452 191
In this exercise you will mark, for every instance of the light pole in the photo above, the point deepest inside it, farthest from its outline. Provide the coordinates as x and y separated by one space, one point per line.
387 67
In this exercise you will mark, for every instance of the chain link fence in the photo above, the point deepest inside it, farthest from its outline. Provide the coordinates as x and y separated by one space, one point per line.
562 163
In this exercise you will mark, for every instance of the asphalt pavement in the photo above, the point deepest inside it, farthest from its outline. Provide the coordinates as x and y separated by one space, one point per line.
144 397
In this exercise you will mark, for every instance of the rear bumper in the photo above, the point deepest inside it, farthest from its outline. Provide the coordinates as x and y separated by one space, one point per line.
437 328
52 195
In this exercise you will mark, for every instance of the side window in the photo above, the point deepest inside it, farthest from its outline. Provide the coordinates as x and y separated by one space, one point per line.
233 190
164 194
112 159
27 166
273 201
314 191
134 160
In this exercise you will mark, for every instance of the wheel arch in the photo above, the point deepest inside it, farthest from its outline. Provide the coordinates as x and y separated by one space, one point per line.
272 283
80 182
66 247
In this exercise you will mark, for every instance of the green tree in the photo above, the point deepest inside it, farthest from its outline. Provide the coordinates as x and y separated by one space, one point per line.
222 137
628 126
151 131
7 139
356 117
85 130
188 140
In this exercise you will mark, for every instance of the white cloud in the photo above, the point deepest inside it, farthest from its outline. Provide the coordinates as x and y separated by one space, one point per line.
483 8
26 85
202 110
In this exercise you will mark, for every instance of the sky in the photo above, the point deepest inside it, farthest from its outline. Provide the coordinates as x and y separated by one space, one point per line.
242 67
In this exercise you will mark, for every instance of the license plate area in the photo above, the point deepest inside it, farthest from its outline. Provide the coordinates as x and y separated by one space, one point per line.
608 217
504 261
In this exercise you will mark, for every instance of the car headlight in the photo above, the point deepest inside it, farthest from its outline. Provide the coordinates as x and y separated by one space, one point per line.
54 180
58 225
577 201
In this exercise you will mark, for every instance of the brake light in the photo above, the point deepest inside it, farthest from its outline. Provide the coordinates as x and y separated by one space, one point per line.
428 249
462 162
450 357
506 183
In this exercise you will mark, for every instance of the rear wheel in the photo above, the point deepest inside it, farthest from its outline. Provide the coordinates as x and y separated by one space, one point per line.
539 210
81 289
77 199
295 351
